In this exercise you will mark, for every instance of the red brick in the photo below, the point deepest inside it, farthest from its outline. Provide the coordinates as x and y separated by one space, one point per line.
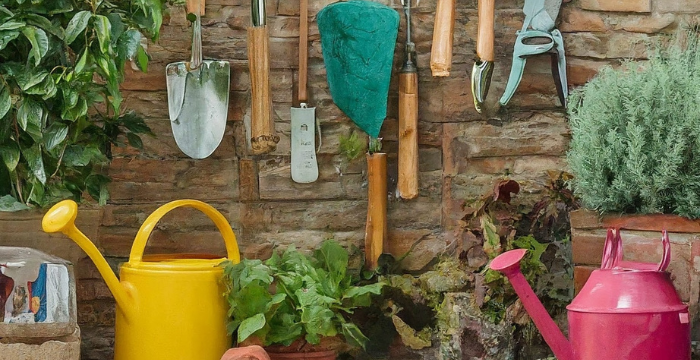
581 274
587 247
584 219
653 222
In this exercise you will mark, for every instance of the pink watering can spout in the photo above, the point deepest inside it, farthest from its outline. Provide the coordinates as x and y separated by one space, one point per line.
508 263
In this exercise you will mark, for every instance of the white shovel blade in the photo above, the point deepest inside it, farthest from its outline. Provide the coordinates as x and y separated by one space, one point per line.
303 145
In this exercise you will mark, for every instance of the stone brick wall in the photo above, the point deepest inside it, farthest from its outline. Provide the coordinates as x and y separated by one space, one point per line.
461 151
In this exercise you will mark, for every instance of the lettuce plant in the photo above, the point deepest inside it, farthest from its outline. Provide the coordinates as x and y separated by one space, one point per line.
296 296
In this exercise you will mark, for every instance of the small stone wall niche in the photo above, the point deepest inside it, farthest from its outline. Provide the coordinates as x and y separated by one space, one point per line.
38 310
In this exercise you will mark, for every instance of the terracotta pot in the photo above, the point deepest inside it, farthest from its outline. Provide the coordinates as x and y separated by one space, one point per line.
315 355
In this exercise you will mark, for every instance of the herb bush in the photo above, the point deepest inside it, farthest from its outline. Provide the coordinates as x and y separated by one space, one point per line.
635 144
297 297
61 110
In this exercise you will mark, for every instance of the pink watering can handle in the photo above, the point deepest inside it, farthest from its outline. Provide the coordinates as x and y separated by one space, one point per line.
612 254
612 250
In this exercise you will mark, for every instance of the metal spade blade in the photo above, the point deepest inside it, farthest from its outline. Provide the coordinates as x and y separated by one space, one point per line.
198 100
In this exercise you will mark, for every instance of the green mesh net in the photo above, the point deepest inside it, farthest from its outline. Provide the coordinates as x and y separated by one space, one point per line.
358 39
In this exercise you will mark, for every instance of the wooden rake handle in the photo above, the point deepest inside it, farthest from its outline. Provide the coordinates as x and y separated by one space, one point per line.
375 230
303 48
192 6
441 52
485 34
408 135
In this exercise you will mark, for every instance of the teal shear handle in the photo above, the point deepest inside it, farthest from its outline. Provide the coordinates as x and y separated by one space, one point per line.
537 36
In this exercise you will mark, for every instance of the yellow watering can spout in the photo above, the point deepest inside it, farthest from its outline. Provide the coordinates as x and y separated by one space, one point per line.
61 218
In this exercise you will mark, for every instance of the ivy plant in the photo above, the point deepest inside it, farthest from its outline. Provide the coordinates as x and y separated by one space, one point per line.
297 296
61 109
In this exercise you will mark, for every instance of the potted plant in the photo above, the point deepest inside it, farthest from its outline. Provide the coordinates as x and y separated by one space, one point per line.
61 109
635 150
297 303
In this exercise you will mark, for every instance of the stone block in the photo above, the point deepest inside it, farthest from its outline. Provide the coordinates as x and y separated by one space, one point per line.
646 24
64 348
541 133
617 5
575 20
23 229
679 6
581 71
158 180
248 184
608 45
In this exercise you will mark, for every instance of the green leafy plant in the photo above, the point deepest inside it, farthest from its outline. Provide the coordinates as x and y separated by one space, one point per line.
636 134
61 110
351 146
295 296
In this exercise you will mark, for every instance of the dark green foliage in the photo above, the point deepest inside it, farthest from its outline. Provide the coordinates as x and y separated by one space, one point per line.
636 135
61 110
296 296
358 38
543 229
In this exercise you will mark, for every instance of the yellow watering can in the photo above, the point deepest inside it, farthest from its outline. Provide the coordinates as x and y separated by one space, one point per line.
168 306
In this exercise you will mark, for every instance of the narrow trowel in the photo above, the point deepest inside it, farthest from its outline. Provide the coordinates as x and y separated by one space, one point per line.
304 165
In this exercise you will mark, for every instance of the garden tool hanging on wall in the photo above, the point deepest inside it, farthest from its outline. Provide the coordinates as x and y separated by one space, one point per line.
538 36
304 166
407 185
483 66
198 96
358 39
262 127
443 33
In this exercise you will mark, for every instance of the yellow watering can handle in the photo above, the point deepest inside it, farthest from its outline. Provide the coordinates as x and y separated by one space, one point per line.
219 220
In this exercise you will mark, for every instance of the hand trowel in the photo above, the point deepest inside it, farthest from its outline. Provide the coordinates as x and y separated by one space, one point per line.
198 96
358 40
304 166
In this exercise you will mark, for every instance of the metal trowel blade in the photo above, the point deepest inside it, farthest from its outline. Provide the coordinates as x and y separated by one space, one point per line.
175 74
201 122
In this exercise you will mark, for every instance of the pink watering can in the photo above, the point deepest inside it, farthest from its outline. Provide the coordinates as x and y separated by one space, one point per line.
625 311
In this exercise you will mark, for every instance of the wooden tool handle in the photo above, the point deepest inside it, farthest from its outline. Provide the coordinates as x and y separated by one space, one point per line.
303 48
375 230
192 6
441 52
262 126
484 38
408 135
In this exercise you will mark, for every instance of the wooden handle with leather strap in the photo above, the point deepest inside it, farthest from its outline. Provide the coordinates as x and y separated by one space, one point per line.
441 52
192 6
375 230
262 126
485 36
303 48
408 135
